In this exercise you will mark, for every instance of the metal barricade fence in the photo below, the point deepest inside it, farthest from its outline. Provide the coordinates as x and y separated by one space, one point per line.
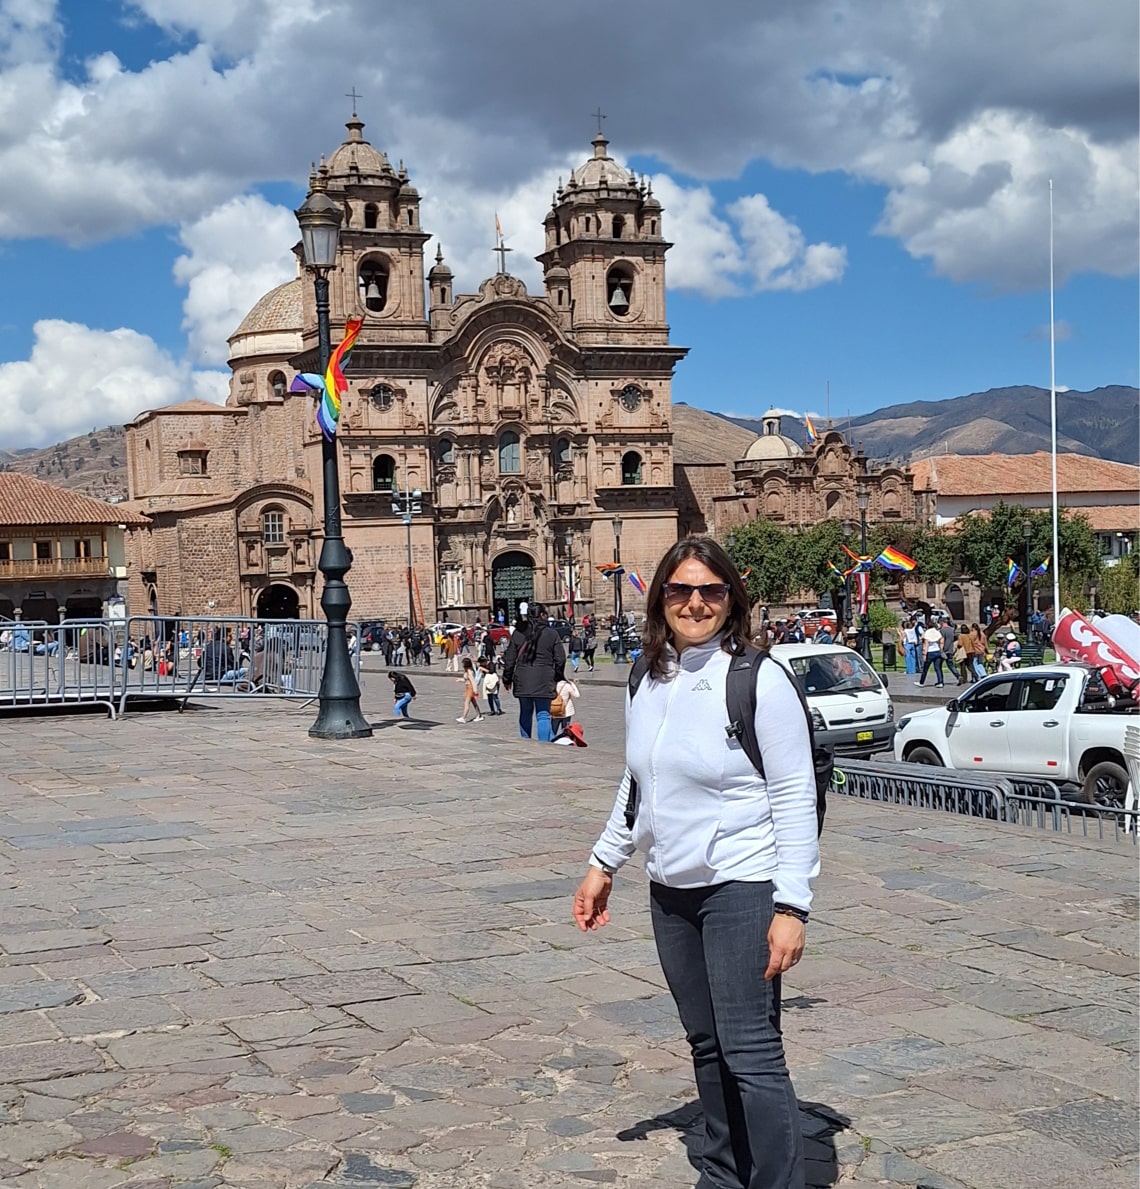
922 786
223 657
47 664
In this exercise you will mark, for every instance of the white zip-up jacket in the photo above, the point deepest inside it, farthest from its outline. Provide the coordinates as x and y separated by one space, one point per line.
705 815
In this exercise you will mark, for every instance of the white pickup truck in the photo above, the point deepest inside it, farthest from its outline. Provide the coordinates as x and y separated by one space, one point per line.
1054 721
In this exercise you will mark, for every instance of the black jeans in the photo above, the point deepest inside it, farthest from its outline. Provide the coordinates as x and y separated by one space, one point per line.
713 946
935 659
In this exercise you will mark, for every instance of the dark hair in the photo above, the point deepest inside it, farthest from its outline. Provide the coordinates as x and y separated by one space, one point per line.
467 664
656 638
532 625
392 673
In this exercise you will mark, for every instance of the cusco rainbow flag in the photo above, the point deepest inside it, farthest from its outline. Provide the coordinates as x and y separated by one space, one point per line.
328 411
1012 571
636 581
328 388
894 559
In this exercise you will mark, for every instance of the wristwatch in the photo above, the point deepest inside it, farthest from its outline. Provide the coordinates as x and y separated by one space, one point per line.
790 910
604 868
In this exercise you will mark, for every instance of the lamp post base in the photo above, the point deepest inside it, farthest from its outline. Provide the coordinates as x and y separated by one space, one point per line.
340 718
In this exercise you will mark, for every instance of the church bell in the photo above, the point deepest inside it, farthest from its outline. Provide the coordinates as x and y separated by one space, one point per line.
373 292
618 299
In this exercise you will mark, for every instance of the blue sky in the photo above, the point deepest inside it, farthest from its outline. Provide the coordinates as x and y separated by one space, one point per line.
855 201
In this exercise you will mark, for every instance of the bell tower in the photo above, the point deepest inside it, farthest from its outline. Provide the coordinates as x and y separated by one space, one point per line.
604 232
380 267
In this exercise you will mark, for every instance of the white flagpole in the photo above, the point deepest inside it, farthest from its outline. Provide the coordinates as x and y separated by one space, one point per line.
1053 417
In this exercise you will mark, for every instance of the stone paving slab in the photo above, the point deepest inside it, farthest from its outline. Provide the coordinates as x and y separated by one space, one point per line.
231 955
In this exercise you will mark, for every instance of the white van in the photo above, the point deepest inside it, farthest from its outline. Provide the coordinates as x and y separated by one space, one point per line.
850 707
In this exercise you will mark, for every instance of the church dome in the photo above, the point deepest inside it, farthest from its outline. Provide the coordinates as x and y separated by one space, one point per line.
356 160
602 171
771 445
279 309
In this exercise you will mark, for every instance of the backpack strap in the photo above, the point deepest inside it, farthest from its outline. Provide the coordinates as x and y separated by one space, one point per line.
740 701
637 673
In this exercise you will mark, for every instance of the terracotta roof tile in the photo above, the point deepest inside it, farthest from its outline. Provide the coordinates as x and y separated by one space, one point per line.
28 501
1021 474
1111 518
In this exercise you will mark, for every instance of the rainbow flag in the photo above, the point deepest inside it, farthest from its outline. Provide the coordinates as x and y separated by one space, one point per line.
835 570
813 437
610 569
894 559
635 580
1041 570
1012 571
328 411
744 576
861 563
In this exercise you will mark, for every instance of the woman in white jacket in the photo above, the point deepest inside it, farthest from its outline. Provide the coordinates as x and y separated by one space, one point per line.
730 856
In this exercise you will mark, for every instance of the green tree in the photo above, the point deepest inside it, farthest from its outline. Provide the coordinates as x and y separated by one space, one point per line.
765 549
984 542
1118 588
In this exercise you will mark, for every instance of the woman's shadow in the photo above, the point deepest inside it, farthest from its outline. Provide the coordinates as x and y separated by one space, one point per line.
820 1124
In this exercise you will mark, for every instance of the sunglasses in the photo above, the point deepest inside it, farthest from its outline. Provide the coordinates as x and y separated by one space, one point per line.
682 592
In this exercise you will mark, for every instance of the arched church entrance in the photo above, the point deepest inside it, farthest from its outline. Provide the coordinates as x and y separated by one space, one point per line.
278 602
512 582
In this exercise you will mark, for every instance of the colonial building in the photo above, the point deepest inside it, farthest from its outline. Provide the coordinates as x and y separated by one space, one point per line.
529 424
61 553
799 486
1106 493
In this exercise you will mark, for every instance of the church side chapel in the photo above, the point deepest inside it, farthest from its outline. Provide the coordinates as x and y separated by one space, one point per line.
503 439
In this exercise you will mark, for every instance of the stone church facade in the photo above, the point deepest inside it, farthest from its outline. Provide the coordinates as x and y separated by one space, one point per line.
528 423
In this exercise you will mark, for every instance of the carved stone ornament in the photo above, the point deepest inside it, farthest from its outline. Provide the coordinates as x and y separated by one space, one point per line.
534 466
487 471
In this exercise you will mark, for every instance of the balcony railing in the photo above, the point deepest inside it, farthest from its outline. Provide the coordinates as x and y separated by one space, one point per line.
55 567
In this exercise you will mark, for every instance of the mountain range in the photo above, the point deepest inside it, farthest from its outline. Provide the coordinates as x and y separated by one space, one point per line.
1103 423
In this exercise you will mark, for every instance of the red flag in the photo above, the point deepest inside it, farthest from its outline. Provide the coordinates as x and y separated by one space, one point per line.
1075 638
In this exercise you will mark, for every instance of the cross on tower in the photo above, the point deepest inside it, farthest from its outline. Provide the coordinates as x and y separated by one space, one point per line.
354 97
599 115
502 250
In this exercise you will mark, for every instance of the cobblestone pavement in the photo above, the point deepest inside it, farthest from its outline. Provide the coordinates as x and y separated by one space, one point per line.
232 955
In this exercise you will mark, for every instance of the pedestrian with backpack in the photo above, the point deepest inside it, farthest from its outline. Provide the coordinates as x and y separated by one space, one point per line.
731 850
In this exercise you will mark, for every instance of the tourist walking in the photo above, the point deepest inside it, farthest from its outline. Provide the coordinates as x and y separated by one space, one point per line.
575 649
932 655
533 664
589 644
910 638
962 655
949 645
977 649
491 687
470 680
403 691
730 855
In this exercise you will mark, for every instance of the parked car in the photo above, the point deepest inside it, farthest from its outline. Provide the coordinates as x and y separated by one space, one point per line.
1054 721
372 634
498 632
850 708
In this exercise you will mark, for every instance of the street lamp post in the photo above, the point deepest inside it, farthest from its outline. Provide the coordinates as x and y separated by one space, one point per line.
862 499
406 503
1027 535
619 647
569 592
339 716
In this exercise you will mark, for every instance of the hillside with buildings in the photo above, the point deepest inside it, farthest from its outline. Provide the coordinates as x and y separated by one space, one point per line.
94 463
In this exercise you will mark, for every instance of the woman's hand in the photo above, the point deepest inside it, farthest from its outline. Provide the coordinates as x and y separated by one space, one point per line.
785 944
591 898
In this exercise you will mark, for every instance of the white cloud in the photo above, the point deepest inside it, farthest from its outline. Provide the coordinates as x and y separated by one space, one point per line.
777 255
77 378
752 250
236 253
959 110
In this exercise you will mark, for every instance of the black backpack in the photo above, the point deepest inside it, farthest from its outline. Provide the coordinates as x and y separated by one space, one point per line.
740 699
